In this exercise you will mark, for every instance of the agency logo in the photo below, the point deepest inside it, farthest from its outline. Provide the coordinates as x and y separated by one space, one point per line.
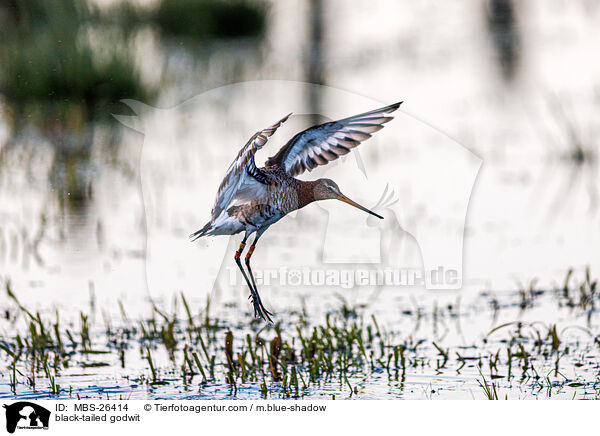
26 415
422 178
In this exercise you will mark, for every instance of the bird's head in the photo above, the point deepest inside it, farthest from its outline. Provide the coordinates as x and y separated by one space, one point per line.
327 189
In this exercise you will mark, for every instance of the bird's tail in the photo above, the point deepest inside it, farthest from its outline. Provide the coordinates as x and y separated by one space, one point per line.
202 232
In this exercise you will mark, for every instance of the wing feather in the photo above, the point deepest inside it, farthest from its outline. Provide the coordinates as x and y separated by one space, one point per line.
242 175
319 145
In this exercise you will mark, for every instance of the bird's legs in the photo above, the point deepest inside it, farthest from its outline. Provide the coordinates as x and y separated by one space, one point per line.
256 297
258 309
236 257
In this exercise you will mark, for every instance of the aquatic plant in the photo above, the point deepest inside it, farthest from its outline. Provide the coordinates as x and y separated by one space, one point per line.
351 349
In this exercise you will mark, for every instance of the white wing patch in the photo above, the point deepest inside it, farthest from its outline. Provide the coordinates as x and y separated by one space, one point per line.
321 144
243 178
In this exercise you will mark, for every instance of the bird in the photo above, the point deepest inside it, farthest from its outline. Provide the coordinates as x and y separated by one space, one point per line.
251 199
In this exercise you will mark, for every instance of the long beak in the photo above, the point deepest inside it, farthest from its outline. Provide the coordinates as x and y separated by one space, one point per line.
345 199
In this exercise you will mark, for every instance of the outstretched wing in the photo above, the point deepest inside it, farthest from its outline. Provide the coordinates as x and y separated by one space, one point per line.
319 145
243 174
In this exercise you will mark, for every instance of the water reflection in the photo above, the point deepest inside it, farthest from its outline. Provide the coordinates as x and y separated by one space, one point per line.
68 171
315 57
505 34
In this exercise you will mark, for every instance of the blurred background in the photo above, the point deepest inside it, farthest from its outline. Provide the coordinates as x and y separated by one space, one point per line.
516 83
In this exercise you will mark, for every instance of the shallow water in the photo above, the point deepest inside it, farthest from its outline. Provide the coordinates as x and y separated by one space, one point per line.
532 214
472 339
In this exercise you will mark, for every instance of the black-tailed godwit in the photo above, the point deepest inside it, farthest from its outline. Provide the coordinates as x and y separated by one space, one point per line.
251 199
